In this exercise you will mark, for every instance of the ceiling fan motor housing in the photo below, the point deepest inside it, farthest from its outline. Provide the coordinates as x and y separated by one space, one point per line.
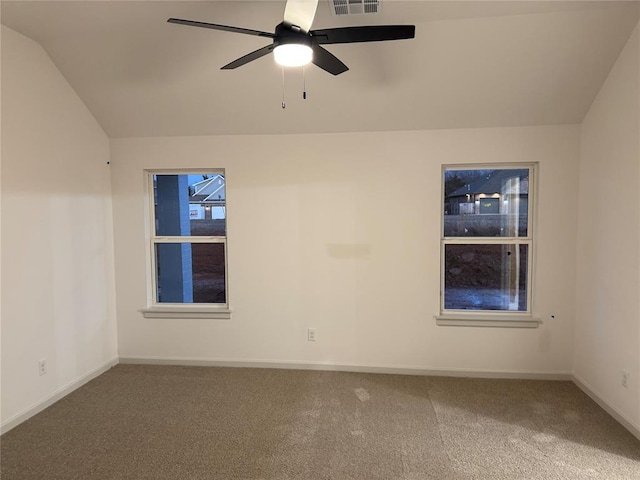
288 34
292 47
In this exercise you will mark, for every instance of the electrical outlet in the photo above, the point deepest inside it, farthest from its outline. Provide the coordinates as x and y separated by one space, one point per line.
42 367
311 335
625 379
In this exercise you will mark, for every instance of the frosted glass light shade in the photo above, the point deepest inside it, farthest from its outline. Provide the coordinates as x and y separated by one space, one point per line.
293 55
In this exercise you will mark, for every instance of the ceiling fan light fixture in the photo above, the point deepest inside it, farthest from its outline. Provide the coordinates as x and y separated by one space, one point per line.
293 54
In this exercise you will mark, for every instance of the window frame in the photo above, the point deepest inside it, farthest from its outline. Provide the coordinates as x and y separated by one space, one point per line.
157 309
491 318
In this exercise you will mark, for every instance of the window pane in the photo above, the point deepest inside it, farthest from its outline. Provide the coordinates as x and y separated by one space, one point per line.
190 205
485 277
190 272
486 203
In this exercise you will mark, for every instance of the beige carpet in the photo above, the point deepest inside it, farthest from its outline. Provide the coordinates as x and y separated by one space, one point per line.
183 423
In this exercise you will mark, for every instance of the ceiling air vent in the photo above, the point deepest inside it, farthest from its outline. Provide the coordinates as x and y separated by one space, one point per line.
354 7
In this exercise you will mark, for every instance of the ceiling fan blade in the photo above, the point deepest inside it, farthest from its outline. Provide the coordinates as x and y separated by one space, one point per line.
375 33
249 57
226 28
300 13
327 61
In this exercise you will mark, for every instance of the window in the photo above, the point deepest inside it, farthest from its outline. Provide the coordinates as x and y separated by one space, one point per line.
188 243
487 242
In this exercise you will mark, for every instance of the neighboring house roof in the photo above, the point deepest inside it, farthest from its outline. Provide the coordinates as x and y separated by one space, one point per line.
493 183
209 190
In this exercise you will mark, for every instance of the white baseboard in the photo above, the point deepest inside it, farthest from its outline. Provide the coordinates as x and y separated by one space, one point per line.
620 418
55 396
360 368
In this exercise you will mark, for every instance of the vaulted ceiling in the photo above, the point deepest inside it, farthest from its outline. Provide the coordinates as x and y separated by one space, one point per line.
472 64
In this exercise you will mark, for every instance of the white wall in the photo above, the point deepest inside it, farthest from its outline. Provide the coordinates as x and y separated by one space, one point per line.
313 243
608 266
57 250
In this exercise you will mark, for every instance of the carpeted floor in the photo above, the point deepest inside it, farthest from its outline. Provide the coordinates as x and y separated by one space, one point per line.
191 423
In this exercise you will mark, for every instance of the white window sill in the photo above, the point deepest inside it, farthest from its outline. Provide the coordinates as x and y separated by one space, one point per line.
186 312
506 321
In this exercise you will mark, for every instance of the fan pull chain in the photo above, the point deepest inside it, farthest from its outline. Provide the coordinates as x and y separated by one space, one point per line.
304 84
284 105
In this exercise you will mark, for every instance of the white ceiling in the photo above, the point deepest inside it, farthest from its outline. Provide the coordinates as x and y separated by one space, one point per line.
472 64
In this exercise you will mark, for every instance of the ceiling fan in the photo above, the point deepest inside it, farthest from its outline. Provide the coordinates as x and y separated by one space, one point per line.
295 44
